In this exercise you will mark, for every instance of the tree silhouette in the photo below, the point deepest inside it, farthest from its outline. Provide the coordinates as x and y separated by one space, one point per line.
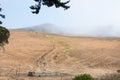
36 8
1 15
4 35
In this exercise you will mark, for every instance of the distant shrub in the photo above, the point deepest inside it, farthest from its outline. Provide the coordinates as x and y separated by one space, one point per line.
83 77
31 74
110 77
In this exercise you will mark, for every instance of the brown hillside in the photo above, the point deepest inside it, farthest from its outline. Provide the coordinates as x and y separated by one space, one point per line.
32 51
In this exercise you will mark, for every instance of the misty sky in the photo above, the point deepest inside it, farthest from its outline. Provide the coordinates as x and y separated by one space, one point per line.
85 17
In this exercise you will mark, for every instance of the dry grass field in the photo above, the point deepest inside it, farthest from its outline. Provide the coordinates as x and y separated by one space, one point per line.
40 52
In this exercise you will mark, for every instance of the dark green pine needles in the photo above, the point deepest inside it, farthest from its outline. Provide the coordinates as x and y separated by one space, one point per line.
49 3
4 35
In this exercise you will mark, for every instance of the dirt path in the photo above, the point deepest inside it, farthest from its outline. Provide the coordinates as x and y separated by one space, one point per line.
42 61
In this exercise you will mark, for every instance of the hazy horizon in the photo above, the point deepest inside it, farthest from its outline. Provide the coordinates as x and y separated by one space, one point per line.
85 17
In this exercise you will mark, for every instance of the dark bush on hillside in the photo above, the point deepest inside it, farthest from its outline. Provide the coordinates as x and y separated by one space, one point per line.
83 77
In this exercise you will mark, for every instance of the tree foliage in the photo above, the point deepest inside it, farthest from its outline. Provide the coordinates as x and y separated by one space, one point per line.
36 8
1 15
4 35
83 77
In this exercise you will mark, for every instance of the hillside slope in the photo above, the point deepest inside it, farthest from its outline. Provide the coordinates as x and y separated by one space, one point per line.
32 51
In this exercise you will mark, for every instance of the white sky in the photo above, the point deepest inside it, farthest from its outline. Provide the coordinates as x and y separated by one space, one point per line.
89 17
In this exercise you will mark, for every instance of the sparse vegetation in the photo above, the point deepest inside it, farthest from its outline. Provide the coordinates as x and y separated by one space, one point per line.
83 77
110 77
29 47
66 48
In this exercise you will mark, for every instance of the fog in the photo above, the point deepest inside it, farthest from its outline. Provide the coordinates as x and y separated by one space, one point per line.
99 18
85 17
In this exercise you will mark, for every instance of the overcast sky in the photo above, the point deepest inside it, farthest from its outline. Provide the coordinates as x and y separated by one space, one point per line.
89 17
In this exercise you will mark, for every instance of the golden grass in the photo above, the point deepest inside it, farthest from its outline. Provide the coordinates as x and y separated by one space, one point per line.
44 52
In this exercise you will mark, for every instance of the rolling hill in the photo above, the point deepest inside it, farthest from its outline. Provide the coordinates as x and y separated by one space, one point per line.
40 52
44 28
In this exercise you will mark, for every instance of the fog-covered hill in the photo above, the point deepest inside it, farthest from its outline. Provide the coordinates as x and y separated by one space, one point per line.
44 28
